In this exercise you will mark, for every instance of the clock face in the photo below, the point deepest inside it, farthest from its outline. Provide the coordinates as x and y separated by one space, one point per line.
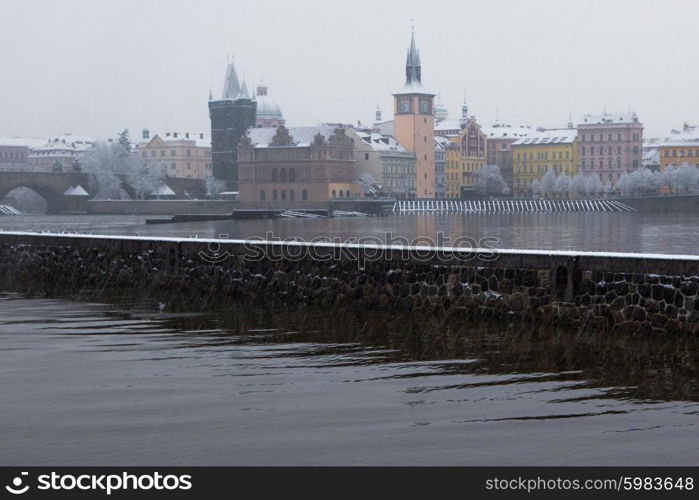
425 107
404 106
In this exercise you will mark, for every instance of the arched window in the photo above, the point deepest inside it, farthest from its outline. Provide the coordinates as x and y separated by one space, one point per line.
292 174
275 175
282 175
262 195
274 195
348 193
334 194
304 195
292 195
284 194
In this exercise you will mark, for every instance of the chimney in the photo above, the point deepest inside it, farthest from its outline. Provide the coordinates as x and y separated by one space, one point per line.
187 135
146 133
167 134
174 134
201 136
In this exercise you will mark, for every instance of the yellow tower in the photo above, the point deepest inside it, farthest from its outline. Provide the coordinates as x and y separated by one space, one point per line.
414 123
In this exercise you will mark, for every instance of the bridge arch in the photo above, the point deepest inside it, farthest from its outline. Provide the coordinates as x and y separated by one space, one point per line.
51 186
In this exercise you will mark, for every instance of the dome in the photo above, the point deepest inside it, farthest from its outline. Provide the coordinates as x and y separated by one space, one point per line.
440 110
267 108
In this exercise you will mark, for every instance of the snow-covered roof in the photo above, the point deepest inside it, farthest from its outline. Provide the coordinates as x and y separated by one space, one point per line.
442 142
505 131
163 190
449 126
380 142
688 136
414 87
629 117
548 136
200 139
76 191
651 156
29 142
67 143
302 136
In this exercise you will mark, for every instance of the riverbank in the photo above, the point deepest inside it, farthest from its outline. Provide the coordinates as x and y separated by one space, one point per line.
606 292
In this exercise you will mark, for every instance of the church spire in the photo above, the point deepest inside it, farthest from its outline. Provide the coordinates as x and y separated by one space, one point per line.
231 86
413 69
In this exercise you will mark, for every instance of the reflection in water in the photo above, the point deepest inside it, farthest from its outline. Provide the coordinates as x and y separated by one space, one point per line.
96 384
621 232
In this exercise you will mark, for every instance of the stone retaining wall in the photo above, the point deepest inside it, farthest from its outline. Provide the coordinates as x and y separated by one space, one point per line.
606 292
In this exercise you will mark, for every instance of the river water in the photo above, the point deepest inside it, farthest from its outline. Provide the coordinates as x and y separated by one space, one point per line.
618 232
94 384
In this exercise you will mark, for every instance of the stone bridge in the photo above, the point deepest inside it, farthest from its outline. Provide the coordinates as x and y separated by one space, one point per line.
49 185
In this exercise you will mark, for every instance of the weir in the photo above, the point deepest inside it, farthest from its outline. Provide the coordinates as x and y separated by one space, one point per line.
627 293
500 206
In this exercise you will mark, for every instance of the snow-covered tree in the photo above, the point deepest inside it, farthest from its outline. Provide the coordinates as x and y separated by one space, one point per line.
489 181
577 184
124 140
562 184
593 185
109 165
548 182
536 186
214 186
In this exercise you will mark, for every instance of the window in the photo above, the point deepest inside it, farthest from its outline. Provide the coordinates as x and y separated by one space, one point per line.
274 195
189 152
152 153
172 152
162 152
292 195
284 194
304 195
189 165
334 194
275 176
282 177
262 195
292 174
173 165
143 154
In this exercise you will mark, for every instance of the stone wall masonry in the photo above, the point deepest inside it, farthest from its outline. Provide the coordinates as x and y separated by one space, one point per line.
620 293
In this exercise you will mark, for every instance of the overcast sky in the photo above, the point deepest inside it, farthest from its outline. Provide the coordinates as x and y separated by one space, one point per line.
96 67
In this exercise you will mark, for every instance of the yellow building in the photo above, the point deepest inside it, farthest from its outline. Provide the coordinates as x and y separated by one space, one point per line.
453 171
466 158
678 153
533 156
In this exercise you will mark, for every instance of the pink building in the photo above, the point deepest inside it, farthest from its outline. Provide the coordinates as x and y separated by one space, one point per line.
610 144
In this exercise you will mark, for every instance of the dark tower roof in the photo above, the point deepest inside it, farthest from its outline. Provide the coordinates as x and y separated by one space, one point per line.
231 85
413 70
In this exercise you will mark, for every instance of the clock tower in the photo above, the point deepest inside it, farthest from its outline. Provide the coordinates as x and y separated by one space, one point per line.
414 123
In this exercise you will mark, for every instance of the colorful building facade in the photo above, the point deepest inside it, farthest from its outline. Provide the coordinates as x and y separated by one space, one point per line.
544 149
178 154
413 125
610 145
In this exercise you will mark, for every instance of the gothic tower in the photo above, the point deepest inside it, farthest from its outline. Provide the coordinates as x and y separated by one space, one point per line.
231 116
414 123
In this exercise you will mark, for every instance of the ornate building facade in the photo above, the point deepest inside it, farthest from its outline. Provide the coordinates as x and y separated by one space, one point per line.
473 145
231 116
413 125
282 167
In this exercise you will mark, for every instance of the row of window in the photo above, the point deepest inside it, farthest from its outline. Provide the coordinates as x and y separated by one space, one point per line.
682 153
13 155
173 152
544 155
275 195
610 137
600 150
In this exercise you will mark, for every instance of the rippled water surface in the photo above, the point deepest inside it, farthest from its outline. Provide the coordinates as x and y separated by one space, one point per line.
618 232
87 383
